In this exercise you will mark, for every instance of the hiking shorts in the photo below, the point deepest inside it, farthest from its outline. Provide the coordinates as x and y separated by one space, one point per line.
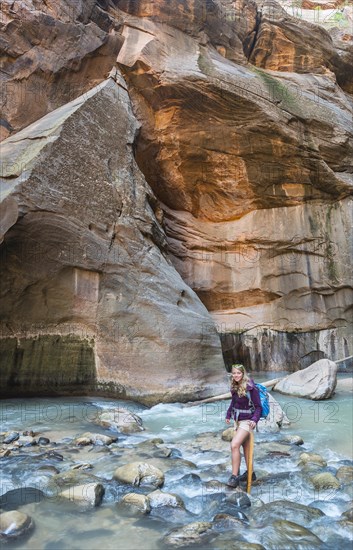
245 424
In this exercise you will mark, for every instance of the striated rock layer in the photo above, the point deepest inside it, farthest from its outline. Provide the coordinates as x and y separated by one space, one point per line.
254 170
245 138
89 300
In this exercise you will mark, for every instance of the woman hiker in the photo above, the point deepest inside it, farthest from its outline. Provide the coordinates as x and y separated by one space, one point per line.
246 414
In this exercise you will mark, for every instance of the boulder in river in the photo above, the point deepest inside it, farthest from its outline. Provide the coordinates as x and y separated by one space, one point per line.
311 458
159 498
287 510
10 437
276 419
193 533
348 515
88 495
14 524
14 498
135 501
318 381
89 438
287 534
69 478
325 480
225 522
345 474
293 439
120 419
139 473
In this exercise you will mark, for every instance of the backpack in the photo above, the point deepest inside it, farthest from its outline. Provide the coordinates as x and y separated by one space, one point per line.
265 401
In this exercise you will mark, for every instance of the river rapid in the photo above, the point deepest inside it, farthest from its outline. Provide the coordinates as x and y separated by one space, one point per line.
187 447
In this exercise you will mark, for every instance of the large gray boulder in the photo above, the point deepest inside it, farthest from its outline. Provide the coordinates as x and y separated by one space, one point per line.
139 473
91 302
315 382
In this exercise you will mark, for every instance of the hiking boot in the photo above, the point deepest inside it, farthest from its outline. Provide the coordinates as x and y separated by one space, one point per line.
233 481
244 476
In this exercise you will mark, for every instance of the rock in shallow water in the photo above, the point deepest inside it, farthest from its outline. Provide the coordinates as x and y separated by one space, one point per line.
325 480
88 495
318 381
14 524
139 473
193 533
288 535
311 458
288 510
19 497
120 419
135 501
159 498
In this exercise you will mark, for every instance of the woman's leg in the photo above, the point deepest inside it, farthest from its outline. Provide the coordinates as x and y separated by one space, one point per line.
238 440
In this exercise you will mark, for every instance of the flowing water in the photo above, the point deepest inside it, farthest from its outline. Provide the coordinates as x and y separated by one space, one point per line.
325 426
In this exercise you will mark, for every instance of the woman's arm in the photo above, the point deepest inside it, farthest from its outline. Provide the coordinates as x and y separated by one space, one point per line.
229 411
255 398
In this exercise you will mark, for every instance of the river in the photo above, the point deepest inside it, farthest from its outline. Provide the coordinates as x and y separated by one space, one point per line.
325 426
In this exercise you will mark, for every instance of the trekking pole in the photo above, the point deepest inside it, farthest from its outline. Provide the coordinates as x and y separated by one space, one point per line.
250 462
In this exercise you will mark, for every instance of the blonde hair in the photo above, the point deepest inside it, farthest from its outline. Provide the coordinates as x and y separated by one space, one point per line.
240 388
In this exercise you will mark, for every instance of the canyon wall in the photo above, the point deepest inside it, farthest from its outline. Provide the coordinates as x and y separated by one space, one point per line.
201 186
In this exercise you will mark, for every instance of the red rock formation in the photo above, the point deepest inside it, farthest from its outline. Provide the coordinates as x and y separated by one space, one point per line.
245 139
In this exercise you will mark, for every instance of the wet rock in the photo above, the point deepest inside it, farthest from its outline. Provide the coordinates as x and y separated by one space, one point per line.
289 535
293 440
11 500
48 469
159 498
224 522
14 524
26 441
348 515
5 453
224 543
139 473
70 478
318 381
82 466
135 501
287 510
239 498
311 458
43 441
10 437
345 474
325 480
88 495
272 448
275 420
120 419
193 533
54 455
94 439
153 449
228 434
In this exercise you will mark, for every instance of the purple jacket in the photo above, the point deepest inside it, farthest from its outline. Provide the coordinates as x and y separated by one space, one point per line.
243 403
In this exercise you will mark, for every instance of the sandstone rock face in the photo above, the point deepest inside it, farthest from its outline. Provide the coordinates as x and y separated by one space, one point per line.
249 164
315 382
246 142
53 52
98 306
